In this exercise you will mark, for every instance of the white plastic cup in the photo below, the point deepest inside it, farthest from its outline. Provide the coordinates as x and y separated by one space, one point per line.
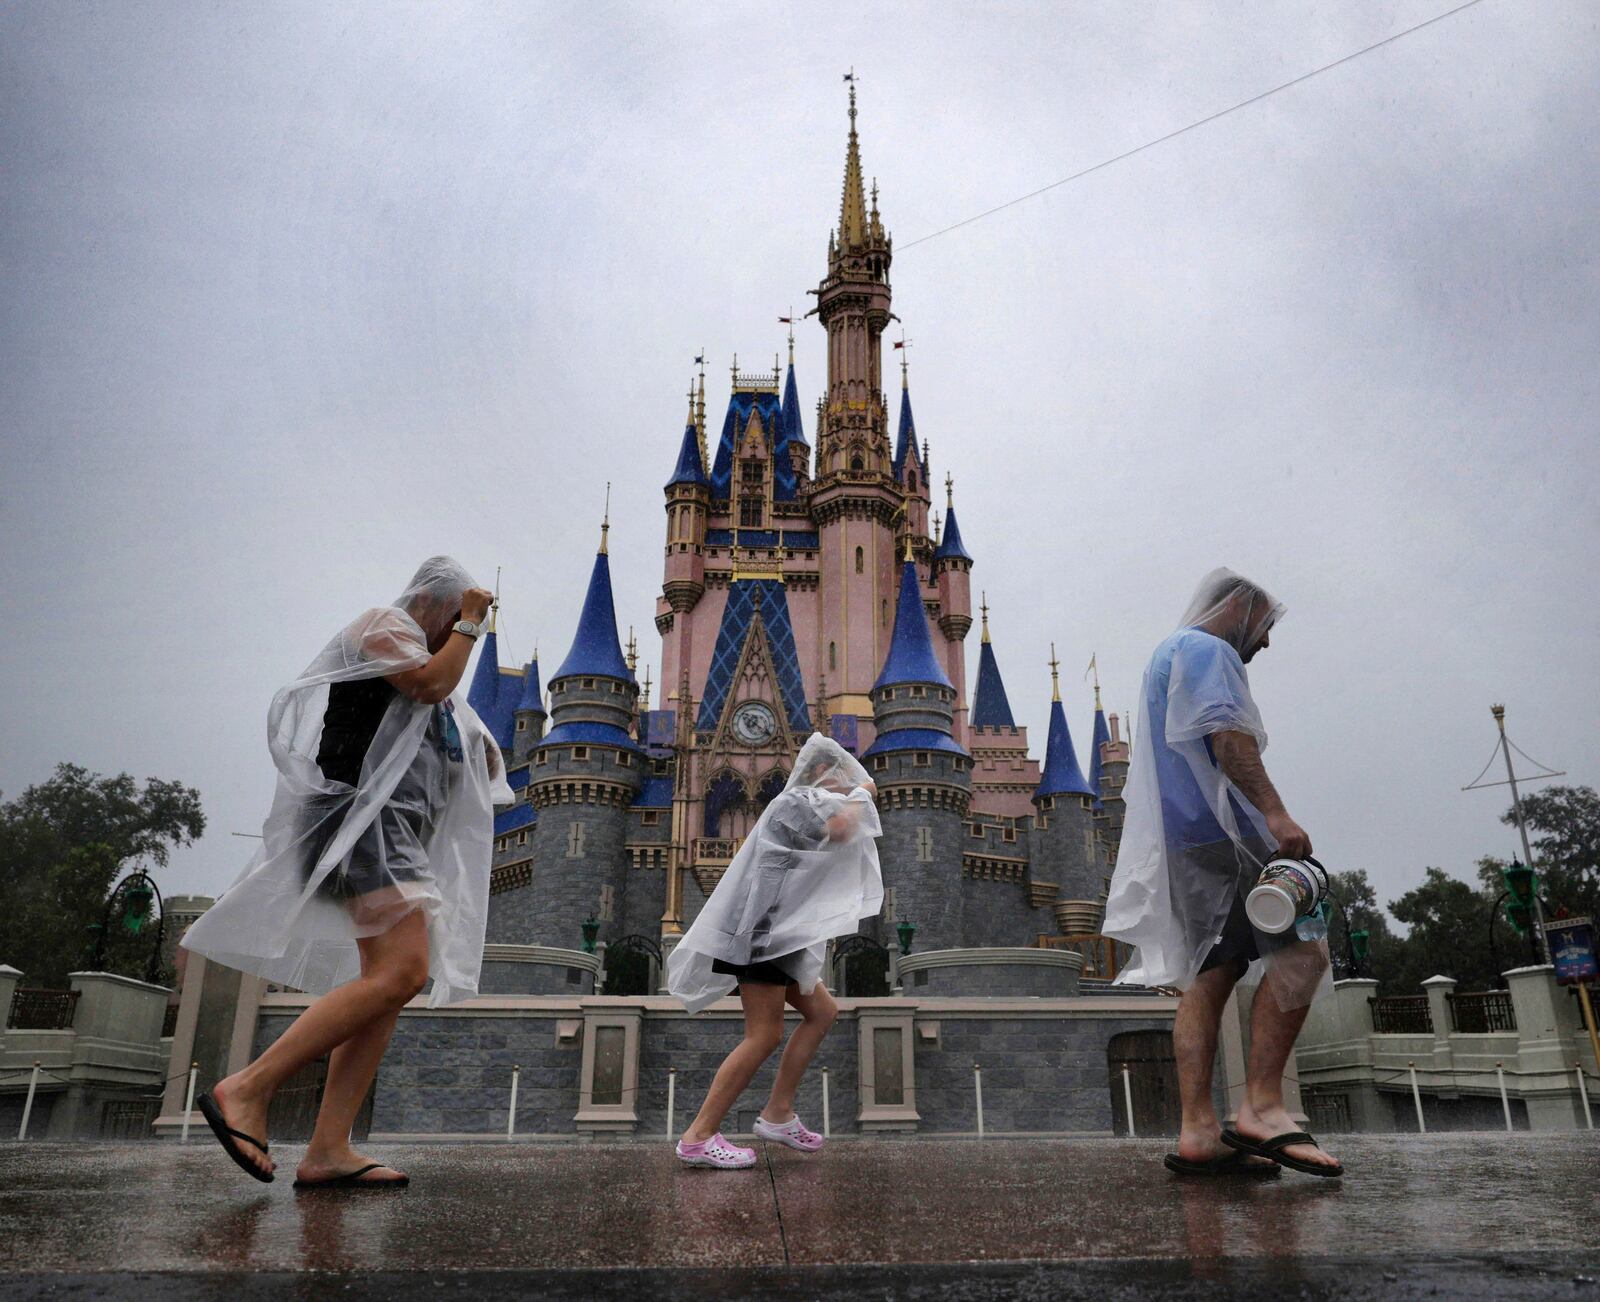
1287 889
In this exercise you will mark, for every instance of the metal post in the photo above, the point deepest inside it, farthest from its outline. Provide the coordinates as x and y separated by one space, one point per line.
1127 1100
1588 1021
672 1097
27 1108
1542 950
977 1090
827 1120
511 1112
188 1102
1583 1093
1505 1102
1416 1097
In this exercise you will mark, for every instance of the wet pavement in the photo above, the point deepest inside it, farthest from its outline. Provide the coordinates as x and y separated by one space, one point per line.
1464 1215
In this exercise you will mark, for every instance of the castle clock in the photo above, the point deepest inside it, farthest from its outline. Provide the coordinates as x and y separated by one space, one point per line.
754 724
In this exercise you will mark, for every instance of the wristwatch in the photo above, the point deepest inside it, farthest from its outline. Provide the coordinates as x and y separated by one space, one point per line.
468 627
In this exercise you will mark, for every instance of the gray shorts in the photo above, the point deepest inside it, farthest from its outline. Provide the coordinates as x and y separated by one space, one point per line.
1238 946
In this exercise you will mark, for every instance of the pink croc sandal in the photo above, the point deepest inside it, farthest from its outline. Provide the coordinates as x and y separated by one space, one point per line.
792 1132
716 1152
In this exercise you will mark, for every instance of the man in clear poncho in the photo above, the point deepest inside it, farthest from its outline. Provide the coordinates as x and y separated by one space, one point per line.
373 871
1203 818
807 872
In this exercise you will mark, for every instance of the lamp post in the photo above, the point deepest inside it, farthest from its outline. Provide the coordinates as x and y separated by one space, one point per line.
130 899
591 930
905 931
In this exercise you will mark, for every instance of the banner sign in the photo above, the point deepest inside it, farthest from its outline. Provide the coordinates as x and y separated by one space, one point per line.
1572 950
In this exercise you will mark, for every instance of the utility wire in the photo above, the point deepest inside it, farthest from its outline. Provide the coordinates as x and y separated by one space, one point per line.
1173 135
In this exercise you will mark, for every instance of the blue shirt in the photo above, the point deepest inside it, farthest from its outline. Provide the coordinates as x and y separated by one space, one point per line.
1216 696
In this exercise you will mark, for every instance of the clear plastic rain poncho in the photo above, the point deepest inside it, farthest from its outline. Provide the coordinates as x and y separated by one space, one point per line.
1192 843
807 872
363 832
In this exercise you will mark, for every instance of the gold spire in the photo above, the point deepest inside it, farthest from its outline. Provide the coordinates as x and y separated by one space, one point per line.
1055 674
633 650
949 491
908 544
791 338
700 415
646 704
1094 669
938 527
984 607
853 206
605 524
494 606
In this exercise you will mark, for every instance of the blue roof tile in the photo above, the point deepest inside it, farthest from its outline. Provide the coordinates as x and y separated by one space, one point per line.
596 649
991 708
950 547
906 441
532 695
494 692
1061 775
689 470
913 739
590 734
793 430
655 794
745 598
1102 735
518 816
911 658
741 406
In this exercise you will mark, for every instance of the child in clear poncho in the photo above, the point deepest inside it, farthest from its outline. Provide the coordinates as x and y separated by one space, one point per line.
373 872
807 872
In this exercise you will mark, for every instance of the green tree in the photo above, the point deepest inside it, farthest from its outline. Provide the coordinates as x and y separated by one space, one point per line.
63 843
1564 828
1449 923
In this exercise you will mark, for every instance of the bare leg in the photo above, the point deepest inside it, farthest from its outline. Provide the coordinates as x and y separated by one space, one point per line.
817 1011
353 1064
330 1021
1272 1035
1194 1045
763 1029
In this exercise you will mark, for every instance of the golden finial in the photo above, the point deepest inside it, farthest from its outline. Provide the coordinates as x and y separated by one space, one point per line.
984 607
494 606
735 367
1055 674
908 544
605 524
949 491
1094 669
791 337
646 687
938 527
633 650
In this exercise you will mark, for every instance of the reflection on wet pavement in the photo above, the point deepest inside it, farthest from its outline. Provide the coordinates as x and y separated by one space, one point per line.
158 1206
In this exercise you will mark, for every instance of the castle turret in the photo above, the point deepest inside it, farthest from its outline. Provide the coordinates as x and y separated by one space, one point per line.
855 501
1113 778
530 714
952 567
922 774
1063 838
585 774
494 692
794 432
1004 778
912 474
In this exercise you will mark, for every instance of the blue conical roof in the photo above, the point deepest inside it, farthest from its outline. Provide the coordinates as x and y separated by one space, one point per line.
906 441
1061 775
596 649
532 697
493 694
689 470
793 430
950 547
911 658
990 706
1102 735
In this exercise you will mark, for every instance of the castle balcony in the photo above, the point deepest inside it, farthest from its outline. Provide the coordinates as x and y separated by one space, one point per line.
713 851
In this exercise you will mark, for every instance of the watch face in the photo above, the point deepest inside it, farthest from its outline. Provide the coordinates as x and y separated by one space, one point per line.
754 724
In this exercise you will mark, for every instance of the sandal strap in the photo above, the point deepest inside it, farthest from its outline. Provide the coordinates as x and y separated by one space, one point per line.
1279 1142
249 1139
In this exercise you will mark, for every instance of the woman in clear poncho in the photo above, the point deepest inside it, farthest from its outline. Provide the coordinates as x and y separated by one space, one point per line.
373 872
807 872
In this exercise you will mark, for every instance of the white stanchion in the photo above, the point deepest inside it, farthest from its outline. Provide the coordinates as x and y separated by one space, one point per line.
1416 1097
1583 1093
1505 1099
188 1102
1127 1101
672 1097
977 1090
827 1120
511 1112
27 1108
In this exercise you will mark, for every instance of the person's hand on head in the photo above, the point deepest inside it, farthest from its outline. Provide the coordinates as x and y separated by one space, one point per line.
475 604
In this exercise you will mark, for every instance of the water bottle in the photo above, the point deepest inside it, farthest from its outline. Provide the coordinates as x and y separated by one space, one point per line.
1313 925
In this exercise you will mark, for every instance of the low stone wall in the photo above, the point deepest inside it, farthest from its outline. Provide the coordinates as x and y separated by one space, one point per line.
537 970
1044 1062
991 973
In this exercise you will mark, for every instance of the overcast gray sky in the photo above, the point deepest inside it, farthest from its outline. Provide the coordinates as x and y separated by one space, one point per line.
293 295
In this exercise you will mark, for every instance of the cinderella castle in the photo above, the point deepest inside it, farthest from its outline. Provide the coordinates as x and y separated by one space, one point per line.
805 587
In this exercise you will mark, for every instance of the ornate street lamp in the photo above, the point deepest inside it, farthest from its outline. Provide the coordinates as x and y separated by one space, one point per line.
906 931
591 930
130 900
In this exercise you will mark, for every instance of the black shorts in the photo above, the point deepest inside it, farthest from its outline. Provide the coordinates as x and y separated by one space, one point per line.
768 972
1237 946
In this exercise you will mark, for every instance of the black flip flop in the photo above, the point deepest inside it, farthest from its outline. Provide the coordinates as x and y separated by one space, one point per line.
1273 1148
226 1135
1230 1163
353 1180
